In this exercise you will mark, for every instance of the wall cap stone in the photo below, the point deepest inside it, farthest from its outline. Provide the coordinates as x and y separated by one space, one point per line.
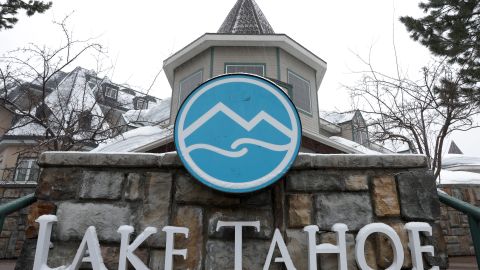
171 159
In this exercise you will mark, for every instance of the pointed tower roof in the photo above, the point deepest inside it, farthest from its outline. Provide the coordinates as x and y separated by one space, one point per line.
454 149
246 18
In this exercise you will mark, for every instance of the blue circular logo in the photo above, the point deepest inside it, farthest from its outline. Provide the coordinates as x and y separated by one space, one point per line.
237 133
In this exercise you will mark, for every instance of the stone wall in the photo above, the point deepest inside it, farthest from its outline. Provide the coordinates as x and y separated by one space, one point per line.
109 190
455 224
13 233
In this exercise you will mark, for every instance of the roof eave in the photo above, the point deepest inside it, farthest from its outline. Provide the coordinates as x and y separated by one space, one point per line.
327 141
277 40
155 144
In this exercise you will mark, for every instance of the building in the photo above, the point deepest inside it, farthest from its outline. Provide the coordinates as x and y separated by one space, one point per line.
79 111
247 43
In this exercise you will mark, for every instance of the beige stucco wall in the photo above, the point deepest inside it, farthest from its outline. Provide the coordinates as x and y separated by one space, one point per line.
8 157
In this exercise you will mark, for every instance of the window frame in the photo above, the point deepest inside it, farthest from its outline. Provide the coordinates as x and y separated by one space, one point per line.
144 103
29 169
185 79
105 91
292 92
263 65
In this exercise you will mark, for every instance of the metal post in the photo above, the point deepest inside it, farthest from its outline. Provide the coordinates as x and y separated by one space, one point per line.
475 231
15 205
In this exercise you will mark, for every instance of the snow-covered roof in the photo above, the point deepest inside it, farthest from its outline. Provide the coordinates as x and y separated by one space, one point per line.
156 114
71 97
24 128
133 140
336 117
457 159
354 145
458 177
74 94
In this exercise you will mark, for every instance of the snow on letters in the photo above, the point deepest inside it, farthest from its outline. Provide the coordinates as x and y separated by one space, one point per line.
90 242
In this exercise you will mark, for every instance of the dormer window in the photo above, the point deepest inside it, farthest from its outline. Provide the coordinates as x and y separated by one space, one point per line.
301 95
257 69
141 104
111 92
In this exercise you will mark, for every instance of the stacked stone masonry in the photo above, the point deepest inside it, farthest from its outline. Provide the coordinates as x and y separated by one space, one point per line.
109 190
455 224
13 233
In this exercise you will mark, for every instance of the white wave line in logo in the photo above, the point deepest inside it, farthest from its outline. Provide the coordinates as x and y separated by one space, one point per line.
270 146
236 144
232 154
247 125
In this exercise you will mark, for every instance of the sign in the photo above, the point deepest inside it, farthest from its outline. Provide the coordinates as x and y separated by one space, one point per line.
237 133
91 244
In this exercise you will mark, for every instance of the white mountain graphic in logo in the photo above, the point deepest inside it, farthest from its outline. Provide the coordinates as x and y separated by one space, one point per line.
247 125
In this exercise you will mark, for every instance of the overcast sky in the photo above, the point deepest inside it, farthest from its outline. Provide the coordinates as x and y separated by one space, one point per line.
140 34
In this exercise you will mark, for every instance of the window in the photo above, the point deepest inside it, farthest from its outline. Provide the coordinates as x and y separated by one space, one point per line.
85 120
189 84
111 92
141 104
257 69
27 170
301 95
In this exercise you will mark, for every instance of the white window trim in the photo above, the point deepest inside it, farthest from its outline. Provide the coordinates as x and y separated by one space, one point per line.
31 162
245 65
113 90
309 92
183 80
144 104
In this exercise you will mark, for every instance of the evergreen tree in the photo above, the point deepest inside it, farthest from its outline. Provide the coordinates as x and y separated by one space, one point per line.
9 9
451 29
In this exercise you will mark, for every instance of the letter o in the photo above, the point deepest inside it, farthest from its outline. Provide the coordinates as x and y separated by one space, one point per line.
365 232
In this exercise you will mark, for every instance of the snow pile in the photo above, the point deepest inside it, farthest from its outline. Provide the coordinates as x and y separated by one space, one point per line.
354 145
336 117
458 177
154 115
134 139
457 159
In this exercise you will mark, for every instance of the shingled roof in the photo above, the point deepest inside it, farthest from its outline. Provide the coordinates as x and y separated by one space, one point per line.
246 18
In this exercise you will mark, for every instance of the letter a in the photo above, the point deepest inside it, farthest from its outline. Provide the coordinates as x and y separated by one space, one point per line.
278 240
90 241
